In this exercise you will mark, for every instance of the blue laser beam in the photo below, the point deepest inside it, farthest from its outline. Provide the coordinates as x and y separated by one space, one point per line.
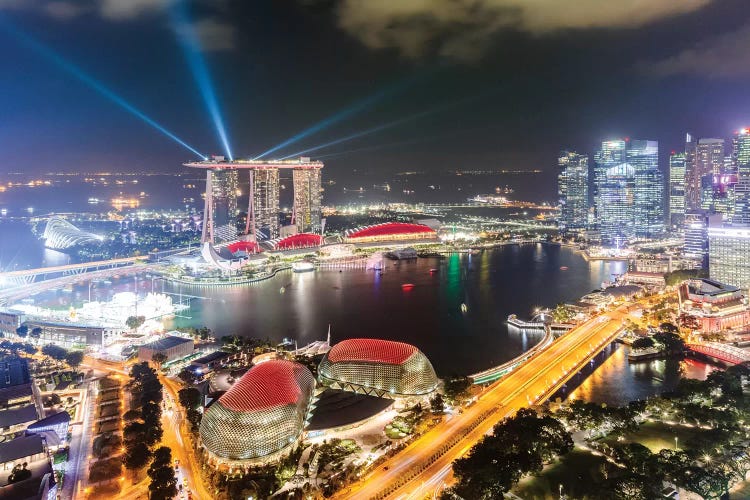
75 71
394 123
351 110
363 133
377 147
194 56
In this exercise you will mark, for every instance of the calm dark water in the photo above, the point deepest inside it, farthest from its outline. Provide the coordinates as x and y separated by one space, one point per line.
612 379
359 303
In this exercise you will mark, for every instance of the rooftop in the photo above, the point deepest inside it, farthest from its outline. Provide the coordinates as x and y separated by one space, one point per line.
16 416
704 286
210 357
21 447
389 228
221 163
166 343
15 392
267 385
371 350
61 417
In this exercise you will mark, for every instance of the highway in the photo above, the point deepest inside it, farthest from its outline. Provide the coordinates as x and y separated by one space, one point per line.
176 437
422 468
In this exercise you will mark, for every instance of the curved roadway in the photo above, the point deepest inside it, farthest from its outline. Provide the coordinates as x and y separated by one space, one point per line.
425 464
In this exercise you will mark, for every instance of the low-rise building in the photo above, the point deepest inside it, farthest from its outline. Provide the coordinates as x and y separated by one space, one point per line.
171 346
713 306
18 419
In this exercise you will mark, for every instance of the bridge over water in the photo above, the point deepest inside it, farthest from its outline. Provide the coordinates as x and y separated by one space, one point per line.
722 352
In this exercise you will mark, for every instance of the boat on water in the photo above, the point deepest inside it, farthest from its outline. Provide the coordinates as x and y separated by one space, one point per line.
563 268
407 286
303 266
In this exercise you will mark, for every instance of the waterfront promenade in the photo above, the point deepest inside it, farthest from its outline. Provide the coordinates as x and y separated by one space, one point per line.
425 464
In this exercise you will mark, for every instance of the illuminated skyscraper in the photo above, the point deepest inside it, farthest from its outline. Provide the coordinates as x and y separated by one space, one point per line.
676 189
629 191
704 158
573 191
741 157
307 196
648 214
265 188
222 188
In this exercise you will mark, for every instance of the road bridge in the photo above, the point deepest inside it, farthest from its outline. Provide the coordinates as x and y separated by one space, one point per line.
28 276
721 352
425 464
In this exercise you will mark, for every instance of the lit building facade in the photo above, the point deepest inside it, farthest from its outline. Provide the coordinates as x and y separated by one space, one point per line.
260 417
222 192
713 306
389 232
703 159
677 190
728 255
265 189
648 204
741 158
307 186
222 205
573 191
629 191
696 235
377 367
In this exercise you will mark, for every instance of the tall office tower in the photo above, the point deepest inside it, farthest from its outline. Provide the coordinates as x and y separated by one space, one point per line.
573 191
741 157
615 197
692 176
307 199
648 214
728 250
222 187
706 157
265 189
611 154
676 190
696 235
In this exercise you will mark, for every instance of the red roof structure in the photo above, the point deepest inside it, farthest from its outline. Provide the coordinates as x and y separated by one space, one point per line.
301 240
244 246
371 350
267 385
391 229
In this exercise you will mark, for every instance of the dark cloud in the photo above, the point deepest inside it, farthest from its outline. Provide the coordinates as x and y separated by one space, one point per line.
462 29
724 56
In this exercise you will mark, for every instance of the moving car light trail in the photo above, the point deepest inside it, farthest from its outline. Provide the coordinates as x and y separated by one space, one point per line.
73 70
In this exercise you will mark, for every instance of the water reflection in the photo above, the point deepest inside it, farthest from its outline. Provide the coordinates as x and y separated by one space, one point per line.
615 381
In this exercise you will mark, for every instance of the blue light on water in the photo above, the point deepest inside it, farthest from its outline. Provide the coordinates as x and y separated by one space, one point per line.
75 71
197 63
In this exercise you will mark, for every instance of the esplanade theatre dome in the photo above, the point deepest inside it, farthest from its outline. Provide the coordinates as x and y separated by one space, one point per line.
378 367
263 413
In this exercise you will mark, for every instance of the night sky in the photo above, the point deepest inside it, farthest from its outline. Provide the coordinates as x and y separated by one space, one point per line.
471 83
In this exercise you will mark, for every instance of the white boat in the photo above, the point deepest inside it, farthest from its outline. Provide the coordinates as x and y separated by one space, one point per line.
303 266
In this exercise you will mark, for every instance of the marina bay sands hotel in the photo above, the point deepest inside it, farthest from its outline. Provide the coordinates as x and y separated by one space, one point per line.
222 194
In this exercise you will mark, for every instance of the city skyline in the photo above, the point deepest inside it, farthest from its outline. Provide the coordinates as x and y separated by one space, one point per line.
430 88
